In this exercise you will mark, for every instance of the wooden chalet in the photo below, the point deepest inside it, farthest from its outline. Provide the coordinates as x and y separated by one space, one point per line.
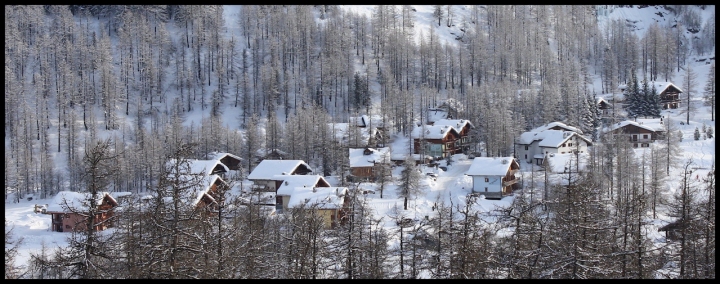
669 94
69 211
267 175
291 183
673 231
640 132
463 127
437 141
331 203
364 161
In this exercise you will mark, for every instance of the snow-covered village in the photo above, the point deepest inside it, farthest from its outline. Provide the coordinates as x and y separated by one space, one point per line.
360 141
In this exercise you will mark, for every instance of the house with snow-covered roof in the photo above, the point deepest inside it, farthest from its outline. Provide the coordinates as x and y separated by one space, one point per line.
265 175
352 135
556 137
463 127
291 182
364 161
69 210
606 109
668 92
494 177
331 203
640 132
438 141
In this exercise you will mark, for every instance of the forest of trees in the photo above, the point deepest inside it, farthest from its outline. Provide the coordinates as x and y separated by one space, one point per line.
118 82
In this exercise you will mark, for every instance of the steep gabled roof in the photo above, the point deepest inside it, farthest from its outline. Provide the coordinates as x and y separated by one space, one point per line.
649 124
432 131
554 138
458 124
559 125
321 197
299 181
76 201
491 166
198 167
268 169
662 86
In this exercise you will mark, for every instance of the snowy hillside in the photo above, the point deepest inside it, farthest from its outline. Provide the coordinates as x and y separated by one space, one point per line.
278 91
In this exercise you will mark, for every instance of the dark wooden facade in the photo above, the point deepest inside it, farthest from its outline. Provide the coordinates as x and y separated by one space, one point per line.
640 137
448 144
670 97
75 221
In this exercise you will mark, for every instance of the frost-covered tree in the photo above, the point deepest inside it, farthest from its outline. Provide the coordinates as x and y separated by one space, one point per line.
409 184
709 91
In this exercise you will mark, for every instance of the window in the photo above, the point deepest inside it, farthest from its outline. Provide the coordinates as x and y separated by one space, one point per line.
635 145
526 147
486 180
563 145
68 226
645 145
525 156
644 136
569 144
486 189
562 152
634 138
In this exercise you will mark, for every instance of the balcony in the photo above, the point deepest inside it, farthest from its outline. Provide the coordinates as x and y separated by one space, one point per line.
510 182
261 188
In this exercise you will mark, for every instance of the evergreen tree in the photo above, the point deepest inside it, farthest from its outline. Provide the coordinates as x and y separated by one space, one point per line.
653 99
633 96
696 135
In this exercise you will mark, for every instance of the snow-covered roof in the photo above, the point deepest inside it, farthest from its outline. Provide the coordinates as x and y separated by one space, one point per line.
490 166
294 181
458 124
68 201
432 131
218 156
654 125
322 197
268 169
557 124
661 86
198 167
558 162
377 155
553 138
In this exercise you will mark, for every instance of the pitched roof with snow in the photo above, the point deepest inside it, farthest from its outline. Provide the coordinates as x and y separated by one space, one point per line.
490 166
553 138
661 86
298 181
198 167
322 197
654 125
359 159
458 124
268 169
68 201
432 131
557 124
